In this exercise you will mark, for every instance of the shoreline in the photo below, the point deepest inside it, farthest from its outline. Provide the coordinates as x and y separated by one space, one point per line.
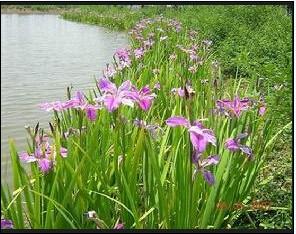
28 12
34 9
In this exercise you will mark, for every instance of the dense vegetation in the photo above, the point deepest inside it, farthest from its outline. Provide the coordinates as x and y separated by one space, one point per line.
252 43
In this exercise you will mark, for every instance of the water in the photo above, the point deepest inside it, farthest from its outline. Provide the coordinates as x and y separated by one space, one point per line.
40 56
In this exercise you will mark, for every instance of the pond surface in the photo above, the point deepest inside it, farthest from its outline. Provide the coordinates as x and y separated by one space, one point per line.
40 56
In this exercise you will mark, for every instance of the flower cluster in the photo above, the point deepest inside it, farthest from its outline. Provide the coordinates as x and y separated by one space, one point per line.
77 102
175 24
200 137
234 108
123 56
44 154
194 58
125 94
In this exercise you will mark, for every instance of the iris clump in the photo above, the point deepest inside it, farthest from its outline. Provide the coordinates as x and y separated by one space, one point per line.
199 135
131 155
44 154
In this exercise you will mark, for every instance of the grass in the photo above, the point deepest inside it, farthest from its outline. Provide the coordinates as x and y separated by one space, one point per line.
257 52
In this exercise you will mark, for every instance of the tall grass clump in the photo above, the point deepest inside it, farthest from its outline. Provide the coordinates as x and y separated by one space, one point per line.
161 142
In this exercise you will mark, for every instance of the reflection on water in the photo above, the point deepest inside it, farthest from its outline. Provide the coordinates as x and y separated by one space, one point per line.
40 56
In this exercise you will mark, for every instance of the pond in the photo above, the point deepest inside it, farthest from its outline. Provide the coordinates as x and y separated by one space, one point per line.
40 56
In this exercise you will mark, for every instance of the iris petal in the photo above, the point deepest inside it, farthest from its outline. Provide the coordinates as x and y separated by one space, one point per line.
208 176
177 121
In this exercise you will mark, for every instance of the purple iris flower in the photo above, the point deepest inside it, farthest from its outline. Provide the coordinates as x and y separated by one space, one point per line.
136 34
157 86
234 145
144 97
178 27
27 158
6 224
233 107
201 164
44 155
57 106
262 110
193 54
123 64
123 56
148 43
262 106
45 164
91 112
113 96
42 139
199 136
77 101
180 91
139 52
109 72
189 91
175 24
118 224
63 152
178 121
